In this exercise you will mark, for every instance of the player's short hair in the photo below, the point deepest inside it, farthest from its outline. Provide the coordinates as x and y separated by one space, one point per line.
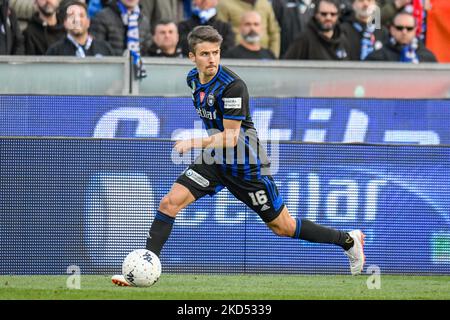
203 34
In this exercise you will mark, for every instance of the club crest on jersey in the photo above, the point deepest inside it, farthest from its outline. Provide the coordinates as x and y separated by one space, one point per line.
210 100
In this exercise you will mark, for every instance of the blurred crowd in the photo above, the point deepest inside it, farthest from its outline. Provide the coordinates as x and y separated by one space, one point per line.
370 30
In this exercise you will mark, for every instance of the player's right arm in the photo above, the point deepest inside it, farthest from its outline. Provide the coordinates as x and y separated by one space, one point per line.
235 100
228 138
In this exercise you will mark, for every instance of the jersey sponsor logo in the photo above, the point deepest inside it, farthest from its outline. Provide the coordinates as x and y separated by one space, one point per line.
265 207
206 114
210 101
232 103
198 178
202 96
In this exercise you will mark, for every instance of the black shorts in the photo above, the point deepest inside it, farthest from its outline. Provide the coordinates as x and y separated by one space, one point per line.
260 195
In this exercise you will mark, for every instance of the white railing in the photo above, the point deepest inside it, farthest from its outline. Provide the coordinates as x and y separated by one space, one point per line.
166 77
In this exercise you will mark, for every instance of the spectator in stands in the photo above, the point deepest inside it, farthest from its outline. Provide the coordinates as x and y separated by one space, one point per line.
95 6
24 10
116 24
78 42
292 16
250 45
232 10
124 27
165 40
323 39
157 10
390 8
63 6
119 24
418 8
361 30
204 12
182 10
11 40
345 9
403 46
44 29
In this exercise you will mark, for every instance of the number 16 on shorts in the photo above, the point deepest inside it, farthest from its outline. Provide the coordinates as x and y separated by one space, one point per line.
258 197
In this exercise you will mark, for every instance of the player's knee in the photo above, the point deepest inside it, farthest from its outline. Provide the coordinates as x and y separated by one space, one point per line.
169 206
281 231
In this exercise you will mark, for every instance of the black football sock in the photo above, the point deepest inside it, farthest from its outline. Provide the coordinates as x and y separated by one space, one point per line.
159 232
312 232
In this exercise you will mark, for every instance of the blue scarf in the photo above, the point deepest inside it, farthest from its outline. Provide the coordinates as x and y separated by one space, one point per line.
408 53
94 7
131 20
187 9
367 39
204 15
80 53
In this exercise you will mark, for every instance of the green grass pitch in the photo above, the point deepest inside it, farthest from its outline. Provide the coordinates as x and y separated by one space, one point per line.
229 287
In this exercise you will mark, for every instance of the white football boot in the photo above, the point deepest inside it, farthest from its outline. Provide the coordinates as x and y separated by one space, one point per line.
356 253
119 280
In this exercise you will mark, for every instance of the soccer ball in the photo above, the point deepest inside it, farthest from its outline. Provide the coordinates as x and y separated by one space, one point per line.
141 268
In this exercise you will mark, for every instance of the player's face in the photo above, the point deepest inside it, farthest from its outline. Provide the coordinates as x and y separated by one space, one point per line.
206 58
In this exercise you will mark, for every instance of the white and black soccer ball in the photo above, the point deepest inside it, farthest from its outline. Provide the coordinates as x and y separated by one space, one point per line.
141 268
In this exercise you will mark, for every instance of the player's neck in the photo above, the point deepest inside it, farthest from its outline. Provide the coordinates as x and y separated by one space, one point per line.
205 78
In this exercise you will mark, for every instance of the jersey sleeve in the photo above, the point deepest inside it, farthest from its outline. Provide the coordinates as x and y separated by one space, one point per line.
191 76
235 101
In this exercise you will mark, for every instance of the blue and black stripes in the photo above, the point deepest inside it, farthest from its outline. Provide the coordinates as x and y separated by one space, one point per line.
225 77
275 197
298 228
225 96
164 217
234 117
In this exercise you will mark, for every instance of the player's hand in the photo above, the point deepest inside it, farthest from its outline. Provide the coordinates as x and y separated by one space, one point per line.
183 146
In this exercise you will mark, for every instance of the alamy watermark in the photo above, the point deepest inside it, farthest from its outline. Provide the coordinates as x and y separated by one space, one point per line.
74 280
374 280
374 13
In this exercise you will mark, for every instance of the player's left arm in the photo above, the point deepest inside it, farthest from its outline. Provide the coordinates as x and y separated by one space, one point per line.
235 101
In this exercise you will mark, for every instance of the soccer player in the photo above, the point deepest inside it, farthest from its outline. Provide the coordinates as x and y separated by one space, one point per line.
232 157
